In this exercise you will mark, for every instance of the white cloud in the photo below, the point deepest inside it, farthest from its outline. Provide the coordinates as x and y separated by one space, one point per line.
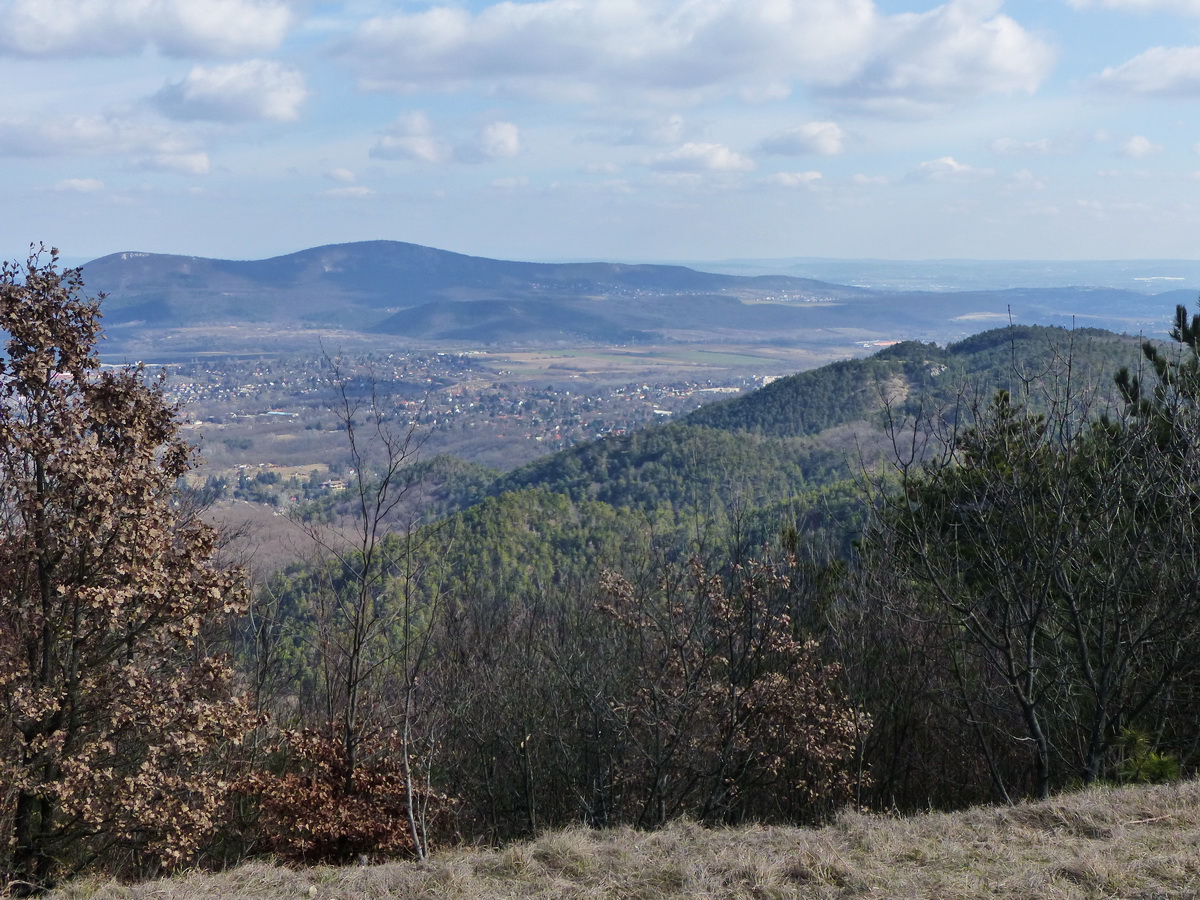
794 179
670 130
116 27
242 91
1160 71
500 140
701 157
180 163
608 186
354 192
663 131
821 138
511 184
873 180
94 136
412 137
1024 180
1104 208
580 50
610 168
79 185
1138 147
947 168
1012 147
923 62
1191 7
344 176
764 93
687 180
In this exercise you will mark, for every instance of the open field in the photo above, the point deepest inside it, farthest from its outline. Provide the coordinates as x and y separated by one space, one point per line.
1136 843
677 360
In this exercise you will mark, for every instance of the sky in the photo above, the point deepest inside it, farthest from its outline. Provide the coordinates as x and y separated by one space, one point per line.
640 130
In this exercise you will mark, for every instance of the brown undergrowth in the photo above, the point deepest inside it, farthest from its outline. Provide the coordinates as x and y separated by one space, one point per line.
1138 843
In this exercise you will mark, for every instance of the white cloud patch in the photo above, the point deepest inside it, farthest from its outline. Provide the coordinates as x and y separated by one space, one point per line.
179 163
1103 209
579 50
1159 72
1024 180
608 186
144 145
242 91
656 131
685 180
1139 147
701 157
811 138
118 27
1012 147
354 192
923 62
514 183
871 180
342 176
500 140
79 185
413 137
794 179
947 168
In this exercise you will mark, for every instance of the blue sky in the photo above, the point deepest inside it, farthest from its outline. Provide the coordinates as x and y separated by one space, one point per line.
604 129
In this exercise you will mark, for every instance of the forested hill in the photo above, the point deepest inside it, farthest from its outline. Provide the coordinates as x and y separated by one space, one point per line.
811 430
909 373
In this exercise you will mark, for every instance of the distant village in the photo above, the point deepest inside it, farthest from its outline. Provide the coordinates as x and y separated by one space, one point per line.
267 432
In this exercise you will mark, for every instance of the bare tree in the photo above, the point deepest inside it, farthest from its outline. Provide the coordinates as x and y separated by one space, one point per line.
369 600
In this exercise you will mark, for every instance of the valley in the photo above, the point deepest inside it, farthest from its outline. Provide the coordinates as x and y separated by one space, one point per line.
268 439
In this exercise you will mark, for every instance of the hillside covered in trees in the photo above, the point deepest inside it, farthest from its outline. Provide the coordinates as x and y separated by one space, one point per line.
930 578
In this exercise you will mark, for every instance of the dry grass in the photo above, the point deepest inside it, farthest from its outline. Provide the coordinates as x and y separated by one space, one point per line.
1137 844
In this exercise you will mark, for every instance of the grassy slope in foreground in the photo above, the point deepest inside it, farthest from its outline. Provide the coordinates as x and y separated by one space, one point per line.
1103 842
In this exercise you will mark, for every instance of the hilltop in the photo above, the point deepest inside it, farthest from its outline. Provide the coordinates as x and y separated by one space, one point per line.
429 295
810 430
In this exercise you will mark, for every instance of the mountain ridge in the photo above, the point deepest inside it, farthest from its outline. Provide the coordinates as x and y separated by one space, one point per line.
407 293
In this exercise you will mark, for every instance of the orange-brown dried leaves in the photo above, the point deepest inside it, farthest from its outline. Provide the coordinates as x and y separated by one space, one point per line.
110 705
311 809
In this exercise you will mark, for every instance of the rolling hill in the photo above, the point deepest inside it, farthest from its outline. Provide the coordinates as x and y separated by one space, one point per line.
404 294
811 430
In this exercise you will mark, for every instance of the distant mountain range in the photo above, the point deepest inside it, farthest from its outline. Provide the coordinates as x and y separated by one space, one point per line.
417 295
1146 276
